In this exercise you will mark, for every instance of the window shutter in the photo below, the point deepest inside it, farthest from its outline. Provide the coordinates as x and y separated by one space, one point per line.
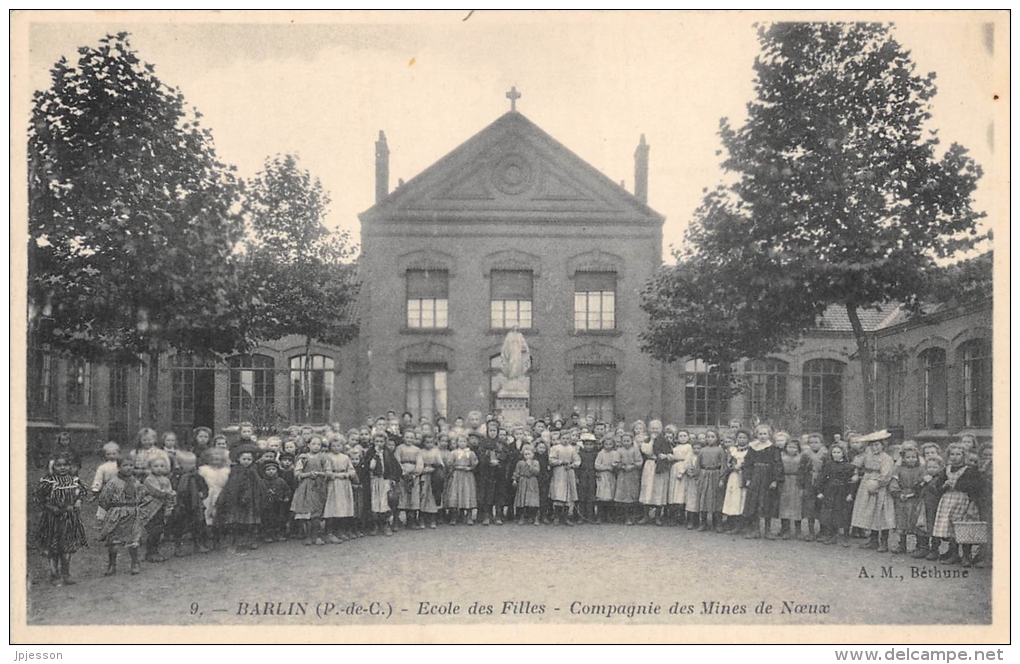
586 282
512 285
595 380
427 284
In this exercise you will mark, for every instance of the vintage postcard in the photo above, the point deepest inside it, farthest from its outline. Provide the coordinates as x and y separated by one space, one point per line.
487 326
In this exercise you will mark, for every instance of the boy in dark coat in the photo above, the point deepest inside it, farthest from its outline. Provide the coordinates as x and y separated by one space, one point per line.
277 507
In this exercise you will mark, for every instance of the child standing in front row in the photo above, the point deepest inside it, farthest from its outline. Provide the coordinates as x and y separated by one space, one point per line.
60 530
735 494
121 525
215 474
929 490
691 511
797 473
188 513
158 499
835 492
339 508
462 495
712 463
763 473
527 499
385 472
628 478
309 500
904 489
961 484
277 508
564 460
606 464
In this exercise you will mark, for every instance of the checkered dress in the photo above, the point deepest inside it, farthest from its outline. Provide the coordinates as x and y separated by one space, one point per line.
954 506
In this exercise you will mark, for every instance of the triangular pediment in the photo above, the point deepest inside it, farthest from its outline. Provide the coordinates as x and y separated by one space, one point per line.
512 170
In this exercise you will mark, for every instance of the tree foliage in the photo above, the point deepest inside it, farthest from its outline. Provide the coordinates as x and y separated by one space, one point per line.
133 220
841 196
299 274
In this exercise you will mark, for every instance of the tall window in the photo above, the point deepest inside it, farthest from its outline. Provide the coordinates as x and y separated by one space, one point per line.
822 396
766 385
977 383
595 301
934 392
311 388
79 382
426 390
252 387
890 386
595 391
191 391
511 292
119 374
496 379
706 394
427 299
41 383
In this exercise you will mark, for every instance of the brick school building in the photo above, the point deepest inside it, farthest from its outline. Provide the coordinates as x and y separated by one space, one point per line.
513 229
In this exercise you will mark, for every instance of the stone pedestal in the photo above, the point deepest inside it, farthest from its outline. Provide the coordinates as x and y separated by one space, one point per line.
513 401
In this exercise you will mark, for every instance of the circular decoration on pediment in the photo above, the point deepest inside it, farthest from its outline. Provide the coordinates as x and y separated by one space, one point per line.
513 174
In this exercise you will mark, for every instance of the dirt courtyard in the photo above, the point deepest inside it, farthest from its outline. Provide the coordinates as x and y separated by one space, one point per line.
610 574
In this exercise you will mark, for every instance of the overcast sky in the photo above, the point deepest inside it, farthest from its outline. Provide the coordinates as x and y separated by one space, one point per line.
323 92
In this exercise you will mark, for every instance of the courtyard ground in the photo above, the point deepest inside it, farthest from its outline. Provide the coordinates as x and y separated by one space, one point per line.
544 574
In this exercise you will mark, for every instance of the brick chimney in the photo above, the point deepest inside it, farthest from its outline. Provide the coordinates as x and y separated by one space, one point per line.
382 168
641 171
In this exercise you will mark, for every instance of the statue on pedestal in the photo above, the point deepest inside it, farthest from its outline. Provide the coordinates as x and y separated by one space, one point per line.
515 356
513 396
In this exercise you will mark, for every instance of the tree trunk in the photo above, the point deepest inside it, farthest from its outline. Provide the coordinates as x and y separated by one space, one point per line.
306 379
867 363
153 388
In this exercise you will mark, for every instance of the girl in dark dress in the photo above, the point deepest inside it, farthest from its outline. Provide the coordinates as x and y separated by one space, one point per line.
544 479
60 530
586 478
243 499
763 473
835 492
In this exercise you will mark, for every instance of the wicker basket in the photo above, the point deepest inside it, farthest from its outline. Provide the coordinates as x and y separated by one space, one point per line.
971 532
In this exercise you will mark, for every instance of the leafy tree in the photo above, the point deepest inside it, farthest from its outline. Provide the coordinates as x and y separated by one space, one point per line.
840 197
133 220
299 274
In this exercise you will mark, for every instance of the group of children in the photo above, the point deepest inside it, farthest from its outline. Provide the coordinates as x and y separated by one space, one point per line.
325 486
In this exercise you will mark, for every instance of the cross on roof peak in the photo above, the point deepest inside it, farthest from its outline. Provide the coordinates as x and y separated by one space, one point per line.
513 96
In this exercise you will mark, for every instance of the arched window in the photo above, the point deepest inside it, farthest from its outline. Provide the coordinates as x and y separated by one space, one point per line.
252 387
934 389
79 382
426 390
977 383
496 378
766 388
822 396
595 391
42 383
192 386
889 391
706 394
311 388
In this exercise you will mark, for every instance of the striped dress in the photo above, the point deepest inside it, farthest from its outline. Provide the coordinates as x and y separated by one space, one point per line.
60 529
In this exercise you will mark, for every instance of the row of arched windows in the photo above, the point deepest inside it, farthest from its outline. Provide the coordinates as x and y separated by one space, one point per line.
764 385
